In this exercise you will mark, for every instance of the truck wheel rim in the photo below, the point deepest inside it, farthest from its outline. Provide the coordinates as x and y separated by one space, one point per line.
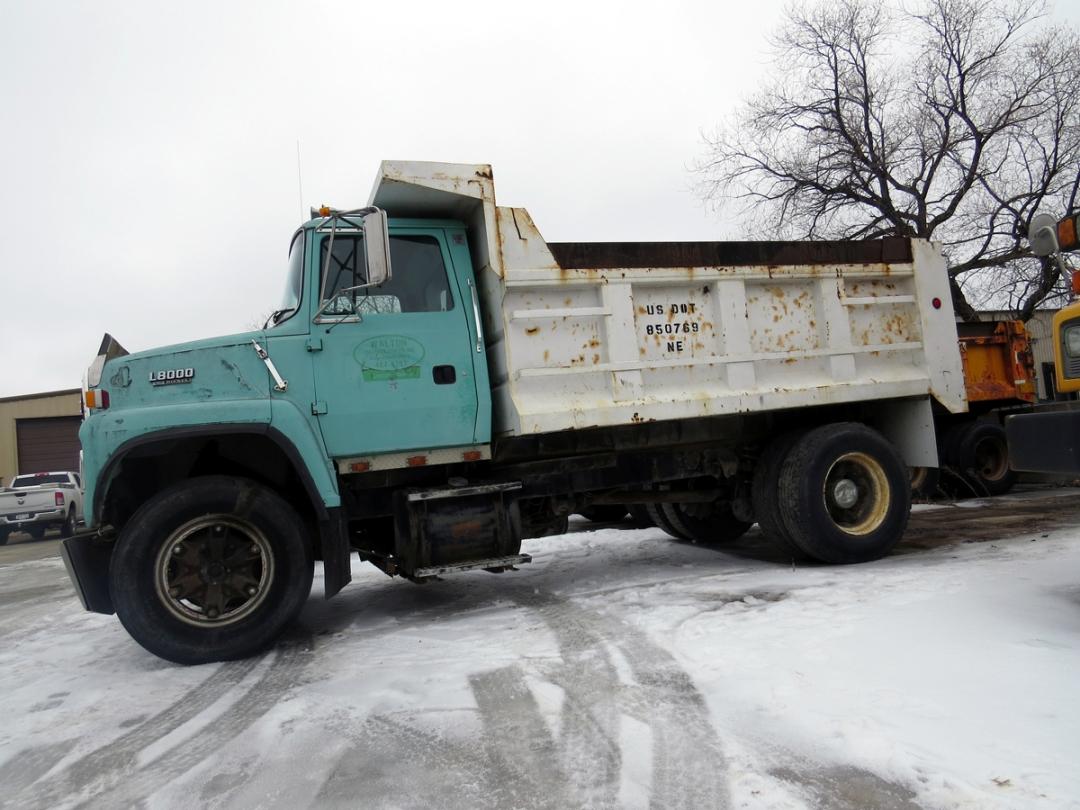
991 459
214 570
856 493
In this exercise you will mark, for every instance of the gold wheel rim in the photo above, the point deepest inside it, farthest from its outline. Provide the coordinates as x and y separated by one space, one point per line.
856 494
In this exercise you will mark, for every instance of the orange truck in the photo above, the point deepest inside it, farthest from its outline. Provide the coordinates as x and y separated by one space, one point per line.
999 374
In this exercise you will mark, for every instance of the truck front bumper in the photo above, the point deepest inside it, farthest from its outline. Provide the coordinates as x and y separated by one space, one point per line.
1045 442
17 521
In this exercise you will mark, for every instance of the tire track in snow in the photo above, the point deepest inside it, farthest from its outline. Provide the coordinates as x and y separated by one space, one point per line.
104 767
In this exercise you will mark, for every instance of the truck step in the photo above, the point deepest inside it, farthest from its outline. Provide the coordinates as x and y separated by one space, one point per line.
492 563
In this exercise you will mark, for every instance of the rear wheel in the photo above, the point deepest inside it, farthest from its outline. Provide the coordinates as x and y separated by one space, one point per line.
925 481
765 494
708 523
982 457
211 569
845 494
659 519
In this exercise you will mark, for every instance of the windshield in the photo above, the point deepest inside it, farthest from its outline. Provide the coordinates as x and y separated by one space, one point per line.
39 480
294 283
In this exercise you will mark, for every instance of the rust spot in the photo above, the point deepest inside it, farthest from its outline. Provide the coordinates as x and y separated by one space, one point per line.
594 343
776 317
641 350
532 330
641 311
568 301
790 360
813 323
636 417
596 359
547 355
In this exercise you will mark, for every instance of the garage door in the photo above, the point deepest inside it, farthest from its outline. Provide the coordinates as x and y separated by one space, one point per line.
46 445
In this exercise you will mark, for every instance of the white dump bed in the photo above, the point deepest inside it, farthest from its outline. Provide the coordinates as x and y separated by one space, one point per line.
594 334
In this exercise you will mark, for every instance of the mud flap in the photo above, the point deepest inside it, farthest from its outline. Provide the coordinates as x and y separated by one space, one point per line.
87 562
337 566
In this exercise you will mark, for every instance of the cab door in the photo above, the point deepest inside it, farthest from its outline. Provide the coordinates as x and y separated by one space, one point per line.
394 364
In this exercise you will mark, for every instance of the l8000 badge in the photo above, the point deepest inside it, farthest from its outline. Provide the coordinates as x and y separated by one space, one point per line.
173 376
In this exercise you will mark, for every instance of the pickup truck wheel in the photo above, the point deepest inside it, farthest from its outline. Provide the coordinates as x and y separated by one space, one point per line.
845 494
707 523
68 528
982 457
211 569
660 520
765 494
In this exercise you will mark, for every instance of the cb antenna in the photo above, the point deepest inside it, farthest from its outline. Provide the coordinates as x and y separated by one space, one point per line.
299 181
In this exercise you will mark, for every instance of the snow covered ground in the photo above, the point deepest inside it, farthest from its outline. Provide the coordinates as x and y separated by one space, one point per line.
619 669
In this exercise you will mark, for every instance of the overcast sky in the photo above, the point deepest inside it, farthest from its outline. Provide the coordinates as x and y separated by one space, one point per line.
149 149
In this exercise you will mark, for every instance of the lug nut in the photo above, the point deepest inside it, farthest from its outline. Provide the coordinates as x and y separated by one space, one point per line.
212 613
178 549
252 590
174 591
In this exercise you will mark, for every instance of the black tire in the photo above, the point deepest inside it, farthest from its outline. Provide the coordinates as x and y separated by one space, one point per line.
765 494
660 520
925 482
36 532
981 456
4 533
604 513
639 514
706 523
217 521
68 529
846 459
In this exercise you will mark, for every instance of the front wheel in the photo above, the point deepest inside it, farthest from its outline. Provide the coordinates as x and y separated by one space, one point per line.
211 569
845 494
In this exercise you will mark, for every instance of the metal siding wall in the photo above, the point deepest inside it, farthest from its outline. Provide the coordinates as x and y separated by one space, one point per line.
12 409
47 445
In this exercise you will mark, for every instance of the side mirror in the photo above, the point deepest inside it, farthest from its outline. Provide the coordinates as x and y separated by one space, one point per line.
377 247
373 222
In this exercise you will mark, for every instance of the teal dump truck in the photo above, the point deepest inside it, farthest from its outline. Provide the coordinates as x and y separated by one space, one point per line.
440 382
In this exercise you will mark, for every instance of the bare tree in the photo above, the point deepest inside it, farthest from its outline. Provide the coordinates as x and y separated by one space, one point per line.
953 120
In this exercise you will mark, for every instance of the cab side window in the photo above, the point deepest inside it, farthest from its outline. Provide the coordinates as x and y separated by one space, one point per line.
418 284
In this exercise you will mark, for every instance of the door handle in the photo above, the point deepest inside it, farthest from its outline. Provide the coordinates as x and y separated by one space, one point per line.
476 314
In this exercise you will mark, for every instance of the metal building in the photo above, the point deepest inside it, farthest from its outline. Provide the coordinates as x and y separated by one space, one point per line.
39 432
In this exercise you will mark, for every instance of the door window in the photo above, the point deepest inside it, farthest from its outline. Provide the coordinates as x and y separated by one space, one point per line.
419 282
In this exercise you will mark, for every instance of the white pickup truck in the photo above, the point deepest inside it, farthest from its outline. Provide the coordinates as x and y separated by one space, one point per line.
33 503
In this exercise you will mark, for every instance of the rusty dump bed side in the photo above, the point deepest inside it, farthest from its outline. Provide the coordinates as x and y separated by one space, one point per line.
600 334
597 255
999 367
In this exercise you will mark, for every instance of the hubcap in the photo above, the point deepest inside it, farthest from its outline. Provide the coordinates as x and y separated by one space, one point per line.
214 570
856 493
991 459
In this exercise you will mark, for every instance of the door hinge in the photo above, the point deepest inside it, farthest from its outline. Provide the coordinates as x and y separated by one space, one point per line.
318 408
314 345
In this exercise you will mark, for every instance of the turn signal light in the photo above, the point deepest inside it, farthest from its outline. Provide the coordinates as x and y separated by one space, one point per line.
97 399
416 461
360 466
58 498
324 210
1066 233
